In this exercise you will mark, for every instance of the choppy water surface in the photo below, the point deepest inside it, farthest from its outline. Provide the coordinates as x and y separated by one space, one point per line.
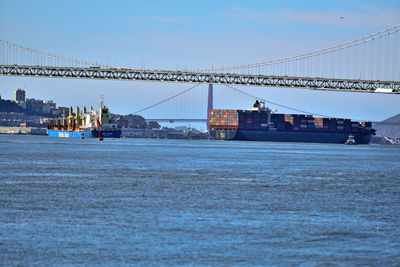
178 202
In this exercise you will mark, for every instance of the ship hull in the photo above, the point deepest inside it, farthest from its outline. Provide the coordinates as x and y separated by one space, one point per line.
84 133
107 133
290 136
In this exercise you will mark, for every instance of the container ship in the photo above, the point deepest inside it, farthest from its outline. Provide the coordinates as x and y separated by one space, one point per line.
263 124
82 124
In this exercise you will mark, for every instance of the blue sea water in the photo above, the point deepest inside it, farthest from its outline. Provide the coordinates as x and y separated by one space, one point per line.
179 202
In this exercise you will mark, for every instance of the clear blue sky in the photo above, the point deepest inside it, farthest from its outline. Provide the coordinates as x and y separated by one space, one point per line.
171 34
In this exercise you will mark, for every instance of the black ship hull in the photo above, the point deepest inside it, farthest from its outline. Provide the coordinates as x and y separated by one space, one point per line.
291 136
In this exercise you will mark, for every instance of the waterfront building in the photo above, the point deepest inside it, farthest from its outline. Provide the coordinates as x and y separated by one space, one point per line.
19 95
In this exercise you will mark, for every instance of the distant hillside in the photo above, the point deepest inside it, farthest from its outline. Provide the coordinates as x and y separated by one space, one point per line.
389 127
10 106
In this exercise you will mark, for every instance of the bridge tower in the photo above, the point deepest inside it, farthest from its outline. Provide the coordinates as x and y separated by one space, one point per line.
210 102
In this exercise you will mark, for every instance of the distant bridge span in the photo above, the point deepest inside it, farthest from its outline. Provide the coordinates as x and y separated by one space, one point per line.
205 120
327 84
177 120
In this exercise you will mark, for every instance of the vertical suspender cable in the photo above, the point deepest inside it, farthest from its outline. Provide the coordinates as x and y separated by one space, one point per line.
396 72
386 63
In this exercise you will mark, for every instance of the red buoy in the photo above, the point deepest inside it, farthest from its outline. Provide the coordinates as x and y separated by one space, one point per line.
100 136
82 137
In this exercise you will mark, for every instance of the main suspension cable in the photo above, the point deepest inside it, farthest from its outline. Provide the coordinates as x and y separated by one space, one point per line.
165 100
274 103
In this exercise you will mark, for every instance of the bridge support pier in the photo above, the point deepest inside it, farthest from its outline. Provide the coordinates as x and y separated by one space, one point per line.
209 102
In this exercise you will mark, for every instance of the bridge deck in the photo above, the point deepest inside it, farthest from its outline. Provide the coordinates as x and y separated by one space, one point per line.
370 86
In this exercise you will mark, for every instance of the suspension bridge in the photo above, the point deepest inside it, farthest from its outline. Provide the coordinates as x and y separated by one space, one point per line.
367 64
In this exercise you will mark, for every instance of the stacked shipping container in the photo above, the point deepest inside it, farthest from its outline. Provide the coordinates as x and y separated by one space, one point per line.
258 120
318 123
224 119
255 119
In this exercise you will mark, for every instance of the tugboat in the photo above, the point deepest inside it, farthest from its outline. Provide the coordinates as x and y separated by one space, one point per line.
85 124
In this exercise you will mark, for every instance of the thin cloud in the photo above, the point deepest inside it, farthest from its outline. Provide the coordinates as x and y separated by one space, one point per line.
157 19
167 19
371 16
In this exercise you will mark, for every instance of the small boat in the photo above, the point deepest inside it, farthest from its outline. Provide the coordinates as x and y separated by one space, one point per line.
14 132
